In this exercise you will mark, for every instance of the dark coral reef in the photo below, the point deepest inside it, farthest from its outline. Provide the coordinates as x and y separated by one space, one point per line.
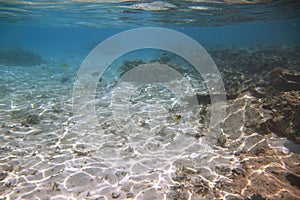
19 57
272 75
263 93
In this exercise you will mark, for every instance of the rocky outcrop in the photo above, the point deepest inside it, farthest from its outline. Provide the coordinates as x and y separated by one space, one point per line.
285 121
20 57
284 80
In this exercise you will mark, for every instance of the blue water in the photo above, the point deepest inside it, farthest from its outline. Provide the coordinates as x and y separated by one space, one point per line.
54 41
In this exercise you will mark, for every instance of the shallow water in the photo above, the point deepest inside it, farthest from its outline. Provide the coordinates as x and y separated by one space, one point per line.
146 127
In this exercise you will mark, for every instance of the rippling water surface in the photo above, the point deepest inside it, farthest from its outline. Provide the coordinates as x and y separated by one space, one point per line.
97 13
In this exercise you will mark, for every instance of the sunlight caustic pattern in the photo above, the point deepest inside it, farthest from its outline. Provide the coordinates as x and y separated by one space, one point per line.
142 38
147 139
48 160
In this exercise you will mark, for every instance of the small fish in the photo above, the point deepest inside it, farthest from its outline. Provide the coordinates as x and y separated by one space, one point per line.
64 65
64 79
177 118
95 74
123 134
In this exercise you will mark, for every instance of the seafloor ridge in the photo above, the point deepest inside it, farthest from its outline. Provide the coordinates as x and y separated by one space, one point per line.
253 155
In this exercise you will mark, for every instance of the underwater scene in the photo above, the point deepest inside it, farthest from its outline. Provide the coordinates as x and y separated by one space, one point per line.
145 100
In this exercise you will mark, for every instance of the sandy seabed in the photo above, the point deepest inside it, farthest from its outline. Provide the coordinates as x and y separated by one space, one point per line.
169 152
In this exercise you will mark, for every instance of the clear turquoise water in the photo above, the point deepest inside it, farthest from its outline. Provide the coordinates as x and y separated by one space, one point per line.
77 26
